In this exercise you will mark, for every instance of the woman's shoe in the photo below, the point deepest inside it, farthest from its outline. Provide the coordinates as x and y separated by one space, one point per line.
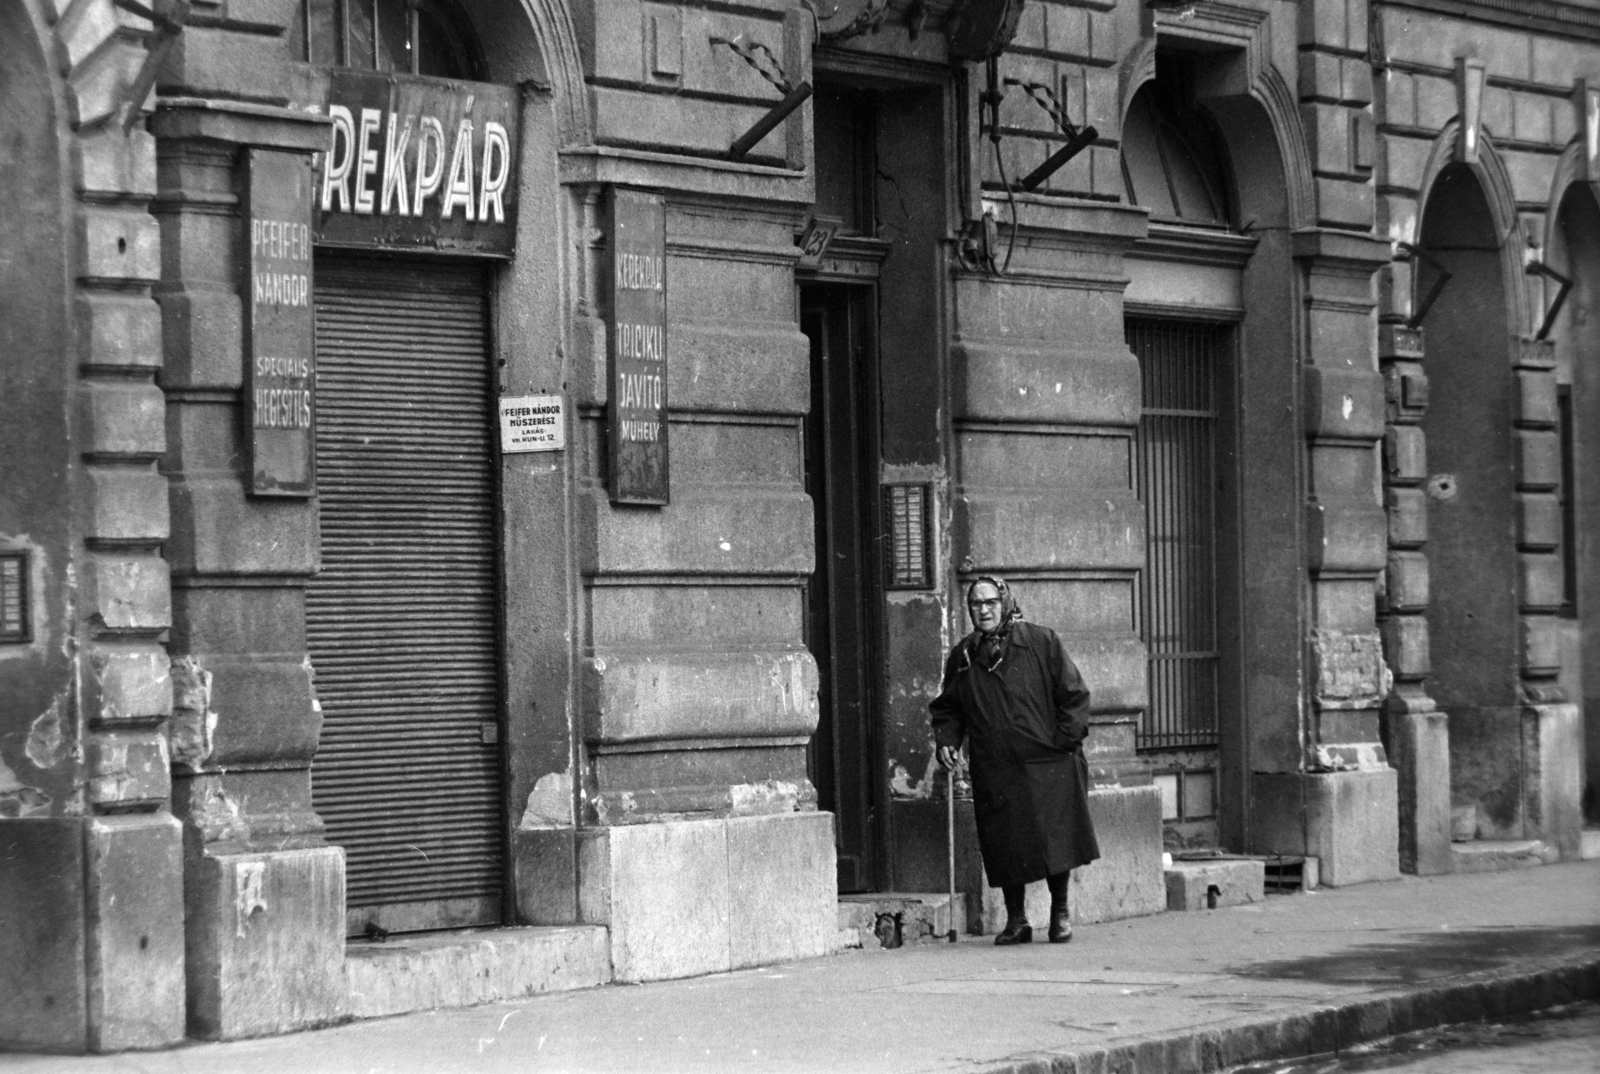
1060 927
1017 930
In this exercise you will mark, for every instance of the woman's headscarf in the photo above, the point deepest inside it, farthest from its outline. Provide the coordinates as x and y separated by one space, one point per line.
988 648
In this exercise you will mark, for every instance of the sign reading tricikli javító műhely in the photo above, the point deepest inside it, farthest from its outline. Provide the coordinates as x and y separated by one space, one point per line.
637 329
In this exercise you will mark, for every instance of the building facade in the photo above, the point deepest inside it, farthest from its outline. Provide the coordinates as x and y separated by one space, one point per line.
513 465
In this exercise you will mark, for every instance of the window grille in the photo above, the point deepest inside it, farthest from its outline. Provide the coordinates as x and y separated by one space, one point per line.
414 37
1569 519
15 616
905 511
1176 472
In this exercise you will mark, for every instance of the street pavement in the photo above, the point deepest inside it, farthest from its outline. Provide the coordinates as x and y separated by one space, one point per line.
1294 975
1558 1041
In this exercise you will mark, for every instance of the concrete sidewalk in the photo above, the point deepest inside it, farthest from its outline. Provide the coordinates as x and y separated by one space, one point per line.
1294 975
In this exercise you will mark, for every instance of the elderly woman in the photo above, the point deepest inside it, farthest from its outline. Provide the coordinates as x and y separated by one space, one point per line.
1014 695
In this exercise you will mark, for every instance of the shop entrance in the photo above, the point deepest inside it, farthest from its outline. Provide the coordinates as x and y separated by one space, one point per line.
846 591
402 622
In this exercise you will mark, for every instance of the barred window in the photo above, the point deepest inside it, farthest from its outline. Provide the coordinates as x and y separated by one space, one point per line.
415 37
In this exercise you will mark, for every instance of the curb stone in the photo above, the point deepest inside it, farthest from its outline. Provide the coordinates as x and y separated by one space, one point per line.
1325 1029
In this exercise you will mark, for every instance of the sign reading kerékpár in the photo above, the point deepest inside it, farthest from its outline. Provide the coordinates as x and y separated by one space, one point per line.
532 423
637 330
419 164
280 372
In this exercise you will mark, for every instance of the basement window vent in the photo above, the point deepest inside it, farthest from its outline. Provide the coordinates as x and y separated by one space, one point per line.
905 510
14 616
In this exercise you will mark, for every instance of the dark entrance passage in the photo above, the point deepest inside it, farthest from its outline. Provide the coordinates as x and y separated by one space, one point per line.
842 629
1473 613
403 622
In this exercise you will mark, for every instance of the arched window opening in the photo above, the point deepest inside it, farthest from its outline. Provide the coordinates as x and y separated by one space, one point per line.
1170 161
414 37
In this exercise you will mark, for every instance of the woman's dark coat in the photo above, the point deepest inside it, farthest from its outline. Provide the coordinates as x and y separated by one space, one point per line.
1024 722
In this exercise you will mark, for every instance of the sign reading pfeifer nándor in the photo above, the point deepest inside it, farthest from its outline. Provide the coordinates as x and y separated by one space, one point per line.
281 370
532 423
419 164
637 330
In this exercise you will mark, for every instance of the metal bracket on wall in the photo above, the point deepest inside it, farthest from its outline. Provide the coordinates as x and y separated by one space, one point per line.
767 66
1539 268
1419 254
168 17
1078 138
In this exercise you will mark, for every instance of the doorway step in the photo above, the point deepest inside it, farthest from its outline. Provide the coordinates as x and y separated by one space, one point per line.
1213 881
461 968
1498 855
890 919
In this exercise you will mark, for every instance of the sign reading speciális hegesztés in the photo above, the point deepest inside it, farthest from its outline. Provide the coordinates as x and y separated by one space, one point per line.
280 365
419 164
532 423
637 331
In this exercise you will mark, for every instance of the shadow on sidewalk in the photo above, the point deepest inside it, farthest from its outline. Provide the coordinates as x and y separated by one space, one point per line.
1415 957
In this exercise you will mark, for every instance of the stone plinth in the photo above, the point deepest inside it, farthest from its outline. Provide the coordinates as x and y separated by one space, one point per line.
1212 885
683 898
1125 882
266 942
1348 820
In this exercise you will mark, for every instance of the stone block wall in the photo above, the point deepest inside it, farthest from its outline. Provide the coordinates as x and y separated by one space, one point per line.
696 697
85 787
1533 61
264 896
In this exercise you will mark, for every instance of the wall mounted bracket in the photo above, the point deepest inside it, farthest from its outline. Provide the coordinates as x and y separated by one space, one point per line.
767 66
1078 138
1417 253
1539 268
168 17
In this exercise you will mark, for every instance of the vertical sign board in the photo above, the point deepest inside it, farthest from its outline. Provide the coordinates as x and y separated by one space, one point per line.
419 164
637 436
281 370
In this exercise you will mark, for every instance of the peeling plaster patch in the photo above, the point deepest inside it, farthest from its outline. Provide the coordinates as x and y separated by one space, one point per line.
771 796
625 808
17 800
1351 672
46 744
901 786
216 815
1356 757
311 676
550 803
193 725
247 895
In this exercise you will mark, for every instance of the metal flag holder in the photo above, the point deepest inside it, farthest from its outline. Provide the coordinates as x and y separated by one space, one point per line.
1078 138
767 66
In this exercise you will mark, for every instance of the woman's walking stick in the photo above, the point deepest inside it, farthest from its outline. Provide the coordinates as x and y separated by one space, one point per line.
950 832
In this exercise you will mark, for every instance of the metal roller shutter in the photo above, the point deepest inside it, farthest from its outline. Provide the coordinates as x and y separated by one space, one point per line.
402 621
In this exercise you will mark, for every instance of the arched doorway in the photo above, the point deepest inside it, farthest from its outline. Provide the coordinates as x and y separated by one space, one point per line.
1181 322
1575 252
1471 504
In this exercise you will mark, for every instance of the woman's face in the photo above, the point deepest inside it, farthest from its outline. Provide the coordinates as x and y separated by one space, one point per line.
983 605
